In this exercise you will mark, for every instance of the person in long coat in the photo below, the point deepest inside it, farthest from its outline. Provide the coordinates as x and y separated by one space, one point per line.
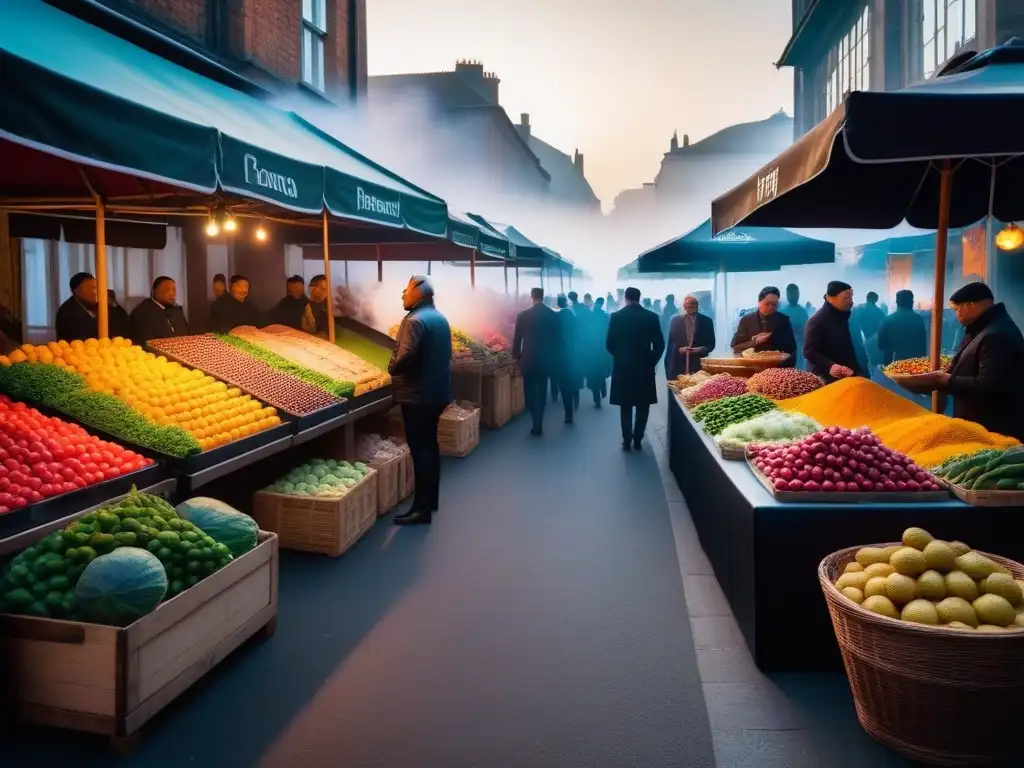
233 309
598 362
570 378
691 338
535 347
636 346
829 347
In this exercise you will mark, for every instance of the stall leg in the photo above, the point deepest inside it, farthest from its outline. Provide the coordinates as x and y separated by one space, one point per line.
429 265
939 295
350 440
102 307
505 269
472 269
327 275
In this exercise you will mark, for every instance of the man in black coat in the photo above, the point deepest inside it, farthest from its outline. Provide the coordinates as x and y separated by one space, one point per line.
797 314
636 345
984 377
767 329
902 334
828 344
535 347
292 309
570 379
159 316
76 317
316 312
421 384
691 337
233 309
598 363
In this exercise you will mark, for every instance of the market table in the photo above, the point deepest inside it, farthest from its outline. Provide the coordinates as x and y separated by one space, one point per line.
765 554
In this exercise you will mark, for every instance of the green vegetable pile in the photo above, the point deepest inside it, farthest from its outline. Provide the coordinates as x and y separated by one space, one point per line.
716 415
324 478
42 580
991 470
343 389
67 392
770 427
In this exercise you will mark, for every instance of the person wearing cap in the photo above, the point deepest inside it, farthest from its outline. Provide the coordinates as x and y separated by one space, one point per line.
159 316
902 335
421 385
76 317
828 344
984 377
767 329
291 310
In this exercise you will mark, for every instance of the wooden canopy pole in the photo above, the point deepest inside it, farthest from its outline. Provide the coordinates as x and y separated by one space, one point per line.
561 281
327 274
517 281
472 269
346 274
380 265
939 296
430 265
102 307
505 268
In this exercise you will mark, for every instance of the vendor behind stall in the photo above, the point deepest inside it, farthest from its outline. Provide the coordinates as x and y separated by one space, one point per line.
316 311
767 329
903 334
76 317
233 308
828 343
691 337
984 377
159 316
291 310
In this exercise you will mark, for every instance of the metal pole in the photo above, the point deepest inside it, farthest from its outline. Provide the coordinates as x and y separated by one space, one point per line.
505 268
939 295
327 274
429 265
380 265
102 309
561 280
472 269
346 274
517 281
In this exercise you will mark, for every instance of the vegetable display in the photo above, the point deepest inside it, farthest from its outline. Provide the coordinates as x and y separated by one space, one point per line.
323 478
765 354
915 366
784 383
46 578
684 381
838 460
716 415
213 356
340 389
713 389
66 391
42 457
936 583
493 350
771 427
224 524
992 470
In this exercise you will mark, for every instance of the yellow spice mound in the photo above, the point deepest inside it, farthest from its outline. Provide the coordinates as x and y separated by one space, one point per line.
926 437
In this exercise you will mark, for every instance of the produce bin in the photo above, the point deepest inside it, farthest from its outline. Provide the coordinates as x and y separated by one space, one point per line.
326 526
496 405
459 436
518 395
938 695
387 483
111 681
406 478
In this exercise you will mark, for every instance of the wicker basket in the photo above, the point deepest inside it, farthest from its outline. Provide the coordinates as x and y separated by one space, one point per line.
458 437
310 524
387 483
942 696
406 478
518 395
743 367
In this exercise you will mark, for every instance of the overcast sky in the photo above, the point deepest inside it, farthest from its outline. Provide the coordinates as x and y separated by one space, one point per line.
611 78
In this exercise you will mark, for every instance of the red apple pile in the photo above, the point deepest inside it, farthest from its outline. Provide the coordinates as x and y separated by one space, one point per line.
41 457
838 460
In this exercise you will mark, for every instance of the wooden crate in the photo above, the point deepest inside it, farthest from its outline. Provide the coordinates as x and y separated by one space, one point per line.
387 483
458 437
518 395
112 680
496 408
406 477
310 524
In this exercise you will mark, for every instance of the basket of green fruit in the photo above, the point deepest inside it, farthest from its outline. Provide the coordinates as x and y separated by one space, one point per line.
932 637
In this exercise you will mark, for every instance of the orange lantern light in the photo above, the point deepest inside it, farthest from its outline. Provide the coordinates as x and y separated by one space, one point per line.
1010 238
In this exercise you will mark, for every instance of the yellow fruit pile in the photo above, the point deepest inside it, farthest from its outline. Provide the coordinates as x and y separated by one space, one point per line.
165 392
927 581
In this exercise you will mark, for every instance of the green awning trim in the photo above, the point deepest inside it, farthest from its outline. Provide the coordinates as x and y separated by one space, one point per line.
464 231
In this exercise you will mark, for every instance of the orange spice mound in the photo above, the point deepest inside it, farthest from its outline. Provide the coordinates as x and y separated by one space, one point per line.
928 438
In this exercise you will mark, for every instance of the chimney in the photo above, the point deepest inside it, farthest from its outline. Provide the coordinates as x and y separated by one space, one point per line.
577 160
524 126
472 73
686 139
673 145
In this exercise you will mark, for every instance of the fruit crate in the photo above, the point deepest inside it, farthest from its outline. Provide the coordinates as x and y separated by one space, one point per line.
518 395
325 526
110 680
847 497
387 483
980 498
406 476
938 695
459 436
496 405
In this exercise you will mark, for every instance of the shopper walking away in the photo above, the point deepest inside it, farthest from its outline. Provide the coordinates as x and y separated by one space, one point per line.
535 347
902 334
828 342
636 345
569 378
691 338
670 311
598 363
868 319
421 384
798 317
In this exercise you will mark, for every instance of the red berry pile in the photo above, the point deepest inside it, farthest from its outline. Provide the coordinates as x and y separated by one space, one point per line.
715 388
840 460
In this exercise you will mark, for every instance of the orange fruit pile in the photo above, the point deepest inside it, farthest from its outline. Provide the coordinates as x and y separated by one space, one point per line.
165 392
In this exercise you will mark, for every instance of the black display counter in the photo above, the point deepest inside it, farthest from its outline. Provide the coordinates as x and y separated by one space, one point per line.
765 554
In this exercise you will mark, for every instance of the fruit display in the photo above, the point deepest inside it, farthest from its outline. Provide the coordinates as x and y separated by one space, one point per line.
928 438
716 415
684 381
772 427
65 390
927 581
114 565
42 457
323 478
713 389
223 523
318 355
784 383
338 389
838 460
915 366
765 354
990 470
213 356
495 343
466 351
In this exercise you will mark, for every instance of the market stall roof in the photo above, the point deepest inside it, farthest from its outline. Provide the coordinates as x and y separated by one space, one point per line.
489 244
527 252
750 249
79 93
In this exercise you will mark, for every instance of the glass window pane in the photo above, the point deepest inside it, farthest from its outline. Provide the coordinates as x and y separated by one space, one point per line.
929 58
307 10
928 23
307 56
319 43
970 19
320 19
35 282
953 19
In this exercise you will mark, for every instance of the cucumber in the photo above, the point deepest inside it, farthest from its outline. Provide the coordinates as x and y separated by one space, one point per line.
988 480
1007 484
962 467
1006 459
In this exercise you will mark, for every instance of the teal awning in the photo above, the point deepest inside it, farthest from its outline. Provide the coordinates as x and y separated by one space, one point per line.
73 90
465 232
526 253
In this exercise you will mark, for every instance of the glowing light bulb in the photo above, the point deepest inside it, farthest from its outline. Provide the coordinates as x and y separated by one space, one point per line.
230 225
1010 238
261 234
212 230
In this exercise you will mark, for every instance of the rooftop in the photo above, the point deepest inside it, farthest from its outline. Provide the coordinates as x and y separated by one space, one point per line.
760 136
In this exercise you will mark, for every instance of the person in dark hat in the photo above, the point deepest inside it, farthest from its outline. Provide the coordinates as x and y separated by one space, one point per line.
159 316
984 377
828 344
220 285
535 347
570 377
233 309
76 317
902 334
767 329
291 310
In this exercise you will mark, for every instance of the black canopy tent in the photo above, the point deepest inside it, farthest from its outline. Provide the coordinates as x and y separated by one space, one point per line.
863 167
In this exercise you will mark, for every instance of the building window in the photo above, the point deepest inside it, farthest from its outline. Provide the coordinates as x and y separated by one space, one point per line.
314 29
946 26
847 66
